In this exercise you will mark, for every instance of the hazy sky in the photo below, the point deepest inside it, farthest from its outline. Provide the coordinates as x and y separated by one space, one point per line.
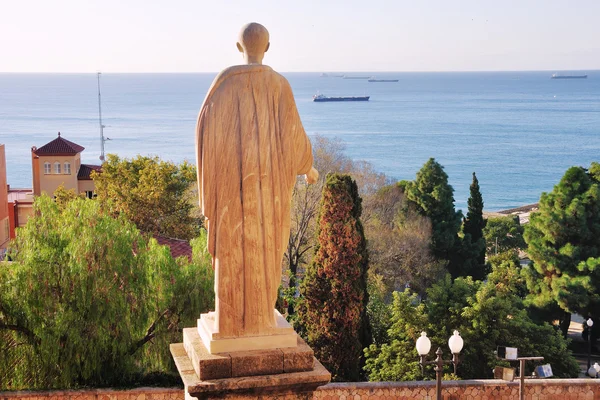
306 35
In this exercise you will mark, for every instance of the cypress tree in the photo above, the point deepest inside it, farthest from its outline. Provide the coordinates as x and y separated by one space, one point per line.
473 240
332 308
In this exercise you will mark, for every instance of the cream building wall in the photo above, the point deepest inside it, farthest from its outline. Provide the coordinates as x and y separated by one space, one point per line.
86 186
51 179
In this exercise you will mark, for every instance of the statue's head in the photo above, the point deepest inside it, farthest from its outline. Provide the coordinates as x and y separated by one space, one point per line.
253 42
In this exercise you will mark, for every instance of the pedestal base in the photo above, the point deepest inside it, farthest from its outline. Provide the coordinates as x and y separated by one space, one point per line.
245 363
253 374
282 336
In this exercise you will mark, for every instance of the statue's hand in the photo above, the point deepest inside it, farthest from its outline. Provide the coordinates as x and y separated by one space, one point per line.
312 176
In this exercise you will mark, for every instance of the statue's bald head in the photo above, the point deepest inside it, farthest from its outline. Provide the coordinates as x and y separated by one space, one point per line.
253 42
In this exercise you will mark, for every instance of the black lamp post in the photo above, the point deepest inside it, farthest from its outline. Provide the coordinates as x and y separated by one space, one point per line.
589 323
424 345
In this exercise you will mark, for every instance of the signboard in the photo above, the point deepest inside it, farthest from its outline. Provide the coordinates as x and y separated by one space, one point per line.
506 374
508 353
544 371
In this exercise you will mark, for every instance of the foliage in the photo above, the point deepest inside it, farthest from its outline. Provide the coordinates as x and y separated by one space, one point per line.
399 242
503 234
90 301
398 359
332 309
329 157
487 314
62 196
432 196
473 241
153 194
378 311
563 239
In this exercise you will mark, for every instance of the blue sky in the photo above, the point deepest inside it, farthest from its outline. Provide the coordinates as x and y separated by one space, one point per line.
309 35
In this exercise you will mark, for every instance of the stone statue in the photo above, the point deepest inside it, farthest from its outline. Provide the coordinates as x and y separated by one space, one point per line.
250 148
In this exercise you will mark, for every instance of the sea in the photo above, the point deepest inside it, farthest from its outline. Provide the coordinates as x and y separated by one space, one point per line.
518 131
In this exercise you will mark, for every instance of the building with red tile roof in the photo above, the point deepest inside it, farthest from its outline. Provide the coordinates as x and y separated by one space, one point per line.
57 163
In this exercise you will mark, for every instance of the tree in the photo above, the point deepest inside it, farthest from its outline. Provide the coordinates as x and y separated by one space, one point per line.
89 301
329 157
503 234
397 360
433 197
333 306
473 239
153 194
487 314
399 242
563 239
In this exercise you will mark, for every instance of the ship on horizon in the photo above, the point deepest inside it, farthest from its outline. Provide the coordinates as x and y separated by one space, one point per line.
319 98
557 76
355 77
373 79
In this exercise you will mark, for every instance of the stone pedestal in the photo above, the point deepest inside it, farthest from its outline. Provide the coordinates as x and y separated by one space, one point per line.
248 374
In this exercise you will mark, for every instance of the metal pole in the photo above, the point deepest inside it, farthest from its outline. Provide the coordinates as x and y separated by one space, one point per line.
589 337
100 120
522 379
439 367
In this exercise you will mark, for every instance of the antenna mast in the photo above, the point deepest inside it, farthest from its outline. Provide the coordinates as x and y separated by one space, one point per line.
102 138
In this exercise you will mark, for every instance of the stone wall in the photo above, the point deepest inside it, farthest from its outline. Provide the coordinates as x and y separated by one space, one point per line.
550 389
98 394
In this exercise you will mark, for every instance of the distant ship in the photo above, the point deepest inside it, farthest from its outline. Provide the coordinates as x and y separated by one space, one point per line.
323 98
355 77
557 76
326 75
382 80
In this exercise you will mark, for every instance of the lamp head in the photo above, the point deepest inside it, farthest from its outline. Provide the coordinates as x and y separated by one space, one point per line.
455 343
589 322
423 344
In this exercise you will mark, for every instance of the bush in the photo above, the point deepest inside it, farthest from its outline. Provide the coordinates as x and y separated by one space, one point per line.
90 301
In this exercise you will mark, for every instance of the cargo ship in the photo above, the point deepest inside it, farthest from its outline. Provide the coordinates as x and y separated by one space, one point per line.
355 77
557 76
383 80
322 98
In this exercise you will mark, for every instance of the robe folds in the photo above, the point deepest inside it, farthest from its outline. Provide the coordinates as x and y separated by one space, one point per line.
250 148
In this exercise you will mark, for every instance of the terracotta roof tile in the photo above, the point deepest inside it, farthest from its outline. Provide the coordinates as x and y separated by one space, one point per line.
85 171
59 147
178 247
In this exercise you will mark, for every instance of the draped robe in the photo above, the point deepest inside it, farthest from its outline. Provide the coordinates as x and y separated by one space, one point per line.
250 148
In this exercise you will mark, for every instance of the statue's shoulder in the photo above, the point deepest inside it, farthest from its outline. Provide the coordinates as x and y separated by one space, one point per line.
237 70
227 79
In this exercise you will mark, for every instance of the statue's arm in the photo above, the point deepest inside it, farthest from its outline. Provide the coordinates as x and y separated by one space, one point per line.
302 145
312 176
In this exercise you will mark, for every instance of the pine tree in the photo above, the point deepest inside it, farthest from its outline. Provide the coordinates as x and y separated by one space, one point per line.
433 197
333 304
563 239
473 240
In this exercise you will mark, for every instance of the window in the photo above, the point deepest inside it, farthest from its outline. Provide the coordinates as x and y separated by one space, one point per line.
90 194
47 168
57 168
68 168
